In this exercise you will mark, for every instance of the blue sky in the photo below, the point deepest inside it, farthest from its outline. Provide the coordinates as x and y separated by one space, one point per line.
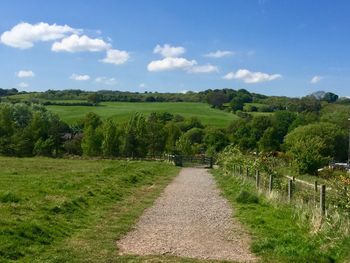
279 47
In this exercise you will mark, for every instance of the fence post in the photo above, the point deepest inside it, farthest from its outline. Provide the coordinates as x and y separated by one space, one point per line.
316 188
247 172
240 170
271 183
293 178
290 190
323 200
257 179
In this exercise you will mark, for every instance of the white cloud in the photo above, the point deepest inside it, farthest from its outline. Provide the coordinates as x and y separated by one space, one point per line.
24 35
79 77
170 63
169 51
23 85
219 54
25 74
316 79
106 81
251 77
203 69
115 56
142 85
75 43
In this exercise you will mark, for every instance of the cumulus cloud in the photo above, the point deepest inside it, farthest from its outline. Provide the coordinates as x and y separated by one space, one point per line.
170 63
106 81
142 85
115 56
24 35
251 77
316 79
25 74
79 77
169 51
219 54
203 69
75 43
23 85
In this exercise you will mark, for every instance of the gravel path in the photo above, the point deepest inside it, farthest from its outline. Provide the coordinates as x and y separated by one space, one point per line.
190 219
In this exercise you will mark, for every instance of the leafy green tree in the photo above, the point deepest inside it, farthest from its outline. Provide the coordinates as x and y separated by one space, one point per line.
110 142
44 147
134 141
172 134
92 138
155 135
307 155
7 129
215 140
330 97
325 140
94 98
184 146
269 141
281 122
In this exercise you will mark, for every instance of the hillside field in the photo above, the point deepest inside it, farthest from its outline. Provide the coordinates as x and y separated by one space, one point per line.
121 111
61 210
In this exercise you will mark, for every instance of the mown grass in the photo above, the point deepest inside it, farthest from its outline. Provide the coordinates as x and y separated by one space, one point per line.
57 210
279 235
121 111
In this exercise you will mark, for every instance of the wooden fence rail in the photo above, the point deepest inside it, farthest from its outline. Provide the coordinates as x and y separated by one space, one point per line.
291 188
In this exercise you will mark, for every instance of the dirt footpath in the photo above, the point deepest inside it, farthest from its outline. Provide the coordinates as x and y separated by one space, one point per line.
190 219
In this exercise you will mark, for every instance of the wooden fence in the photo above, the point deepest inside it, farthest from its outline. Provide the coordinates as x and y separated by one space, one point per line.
291 189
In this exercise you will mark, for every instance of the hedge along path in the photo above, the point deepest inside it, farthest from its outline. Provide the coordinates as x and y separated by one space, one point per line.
190 219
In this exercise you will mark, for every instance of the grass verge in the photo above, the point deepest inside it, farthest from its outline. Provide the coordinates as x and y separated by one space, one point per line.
279 234
57 210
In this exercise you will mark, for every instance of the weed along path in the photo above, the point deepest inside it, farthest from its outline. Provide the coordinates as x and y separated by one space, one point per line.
190 219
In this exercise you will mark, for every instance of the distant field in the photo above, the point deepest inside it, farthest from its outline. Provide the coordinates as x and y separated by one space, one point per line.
57 210
121 111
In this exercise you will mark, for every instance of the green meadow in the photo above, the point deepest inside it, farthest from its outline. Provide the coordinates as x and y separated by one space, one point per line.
61 210
121 111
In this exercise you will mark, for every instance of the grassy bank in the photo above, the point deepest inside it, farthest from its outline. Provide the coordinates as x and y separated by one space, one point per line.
122 111
56 210
279 233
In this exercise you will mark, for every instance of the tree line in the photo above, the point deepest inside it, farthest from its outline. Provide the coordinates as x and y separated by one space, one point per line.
28 130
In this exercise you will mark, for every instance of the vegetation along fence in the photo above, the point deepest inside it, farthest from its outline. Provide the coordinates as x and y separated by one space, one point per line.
289 189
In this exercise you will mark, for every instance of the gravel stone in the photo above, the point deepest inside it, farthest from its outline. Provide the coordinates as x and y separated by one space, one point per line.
189 219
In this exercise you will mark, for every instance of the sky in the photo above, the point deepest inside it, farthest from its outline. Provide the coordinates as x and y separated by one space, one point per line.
273 47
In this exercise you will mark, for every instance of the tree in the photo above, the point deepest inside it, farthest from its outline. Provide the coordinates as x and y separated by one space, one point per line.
110 141
215 140
325 140
330 97
269 141
307 155
172 134
94 98
92 138
217 99
134 141
155 135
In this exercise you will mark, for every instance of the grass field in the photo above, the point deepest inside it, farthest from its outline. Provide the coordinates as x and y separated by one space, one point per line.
121 111
58 210
279 233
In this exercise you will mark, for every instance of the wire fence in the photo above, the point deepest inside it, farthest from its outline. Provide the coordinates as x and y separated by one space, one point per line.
290 189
